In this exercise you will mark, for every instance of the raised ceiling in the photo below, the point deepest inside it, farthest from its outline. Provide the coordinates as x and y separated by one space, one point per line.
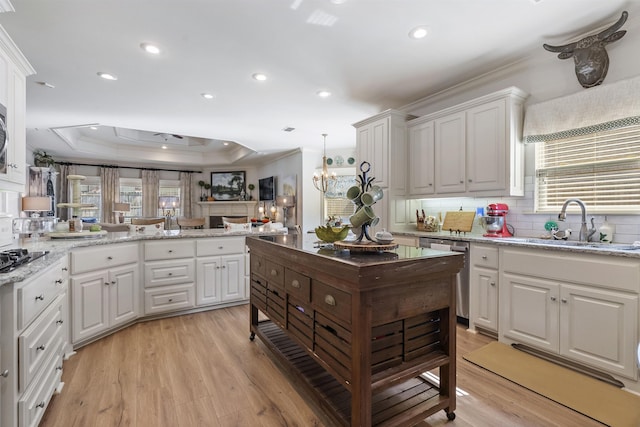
359 50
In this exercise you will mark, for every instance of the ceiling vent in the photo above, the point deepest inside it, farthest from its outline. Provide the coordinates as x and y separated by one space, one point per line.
289 129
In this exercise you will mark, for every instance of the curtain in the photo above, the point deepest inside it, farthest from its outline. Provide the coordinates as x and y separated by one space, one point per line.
110 187
597 109
150 193
62 190
186 193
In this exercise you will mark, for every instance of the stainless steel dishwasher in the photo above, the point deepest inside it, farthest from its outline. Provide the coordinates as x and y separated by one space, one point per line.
462 294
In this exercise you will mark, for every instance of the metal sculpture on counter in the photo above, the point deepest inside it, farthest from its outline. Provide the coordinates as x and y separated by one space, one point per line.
589 54
364 196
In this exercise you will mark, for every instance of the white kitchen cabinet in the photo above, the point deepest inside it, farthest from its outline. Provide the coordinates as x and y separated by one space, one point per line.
221 270
581 307
104 289
477 149
13 71
421 159
483 288
34 340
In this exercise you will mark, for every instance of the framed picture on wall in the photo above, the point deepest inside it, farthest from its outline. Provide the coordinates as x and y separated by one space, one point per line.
228 185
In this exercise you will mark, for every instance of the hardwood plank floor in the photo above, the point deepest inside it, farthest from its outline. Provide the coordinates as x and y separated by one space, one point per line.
202 370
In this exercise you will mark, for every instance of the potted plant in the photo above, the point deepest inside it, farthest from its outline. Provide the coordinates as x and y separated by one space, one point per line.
202 194
42 159
208 187
251 187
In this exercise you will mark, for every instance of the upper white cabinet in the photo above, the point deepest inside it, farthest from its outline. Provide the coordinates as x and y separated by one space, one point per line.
13 71
476 148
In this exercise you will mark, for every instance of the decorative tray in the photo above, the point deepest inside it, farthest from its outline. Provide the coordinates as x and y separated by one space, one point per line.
365 246
84 234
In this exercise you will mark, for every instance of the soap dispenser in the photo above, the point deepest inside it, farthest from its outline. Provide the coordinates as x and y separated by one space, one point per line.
606 231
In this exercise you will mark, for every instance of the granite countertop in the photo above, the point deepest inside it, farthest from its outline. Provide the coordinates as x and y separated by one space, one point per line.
596 248
58 248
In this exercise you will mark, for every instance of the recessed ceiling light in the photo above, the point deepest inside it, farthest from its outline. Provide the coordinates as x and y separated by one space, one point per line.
260 77
107 76
150 48
323 93
226 143
164 147
207 95
418 32
288 129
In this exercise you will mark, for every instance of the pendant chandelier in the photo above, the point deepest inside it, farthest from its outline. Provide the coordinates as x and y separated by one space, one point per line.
325 180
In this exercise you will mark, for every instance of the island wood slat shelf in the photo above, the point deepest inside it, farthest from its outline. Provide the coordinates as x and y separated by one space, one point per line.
356 331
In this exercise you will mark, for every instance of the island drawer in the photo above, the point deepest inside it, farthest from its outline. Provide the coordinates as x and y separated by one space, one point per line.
275 273
220 246
257 265
300 322
103 257
298 285
329 300
162 273
36 294
168 249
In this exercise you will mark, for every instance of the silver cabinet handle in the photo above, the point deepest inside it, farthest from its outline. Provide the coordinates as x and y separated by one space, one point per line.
220 247
59 281
170 274
170 299
40 405
484 257
493 283
40 347
224 266
65 269
329 300
217 267
58 368
295 284
553 298
564 300
109 258
106 283
13 165
40 297
170 251
113 282
59 322
5 373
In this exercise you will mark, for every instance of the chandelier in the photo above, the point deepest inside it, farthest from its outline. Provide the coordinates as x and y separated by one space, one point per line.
323 181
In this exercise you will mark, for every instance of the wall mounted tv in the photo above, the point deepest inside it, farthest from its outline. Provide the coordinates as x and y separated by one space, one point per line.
267 188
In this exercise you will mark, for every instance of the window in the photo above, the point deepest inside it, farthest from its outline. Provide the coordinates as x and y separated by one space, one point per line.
90 194
169 190
131 192
602 169
336 203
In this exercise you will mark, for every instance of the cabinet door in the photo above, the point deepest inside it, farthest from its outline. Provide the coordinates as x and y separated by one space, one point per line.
484 298
421 165
123 294
16 161
232 277
89 294
208 288
450 153
486 147
599 327
373 147
529 311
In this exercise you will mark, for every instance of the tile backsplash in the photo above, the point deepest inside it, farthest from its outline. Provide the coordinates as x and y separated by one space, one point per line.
523 220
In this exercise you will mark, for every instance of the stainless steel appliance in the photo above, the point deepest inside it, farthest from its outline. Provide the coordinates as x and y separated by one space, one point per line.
10 259
462 294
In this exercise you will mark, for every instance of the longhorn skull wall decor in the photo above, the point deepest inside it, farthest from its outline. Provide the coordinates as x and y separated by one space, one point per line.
590 55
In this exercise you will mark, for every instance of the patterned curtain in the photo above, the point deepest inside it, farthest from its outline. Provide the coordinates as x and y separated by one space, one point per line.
186 193
62 190
110 182
150 193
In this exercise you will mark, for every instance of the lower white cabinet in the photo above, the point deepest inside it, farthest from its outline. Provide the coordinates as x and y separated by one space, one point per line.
220 270
483 288
104 289
33 341
584 308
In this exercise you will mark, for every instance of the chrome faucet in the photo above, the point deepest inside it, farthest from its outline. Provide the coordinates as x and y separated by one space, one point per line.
583 228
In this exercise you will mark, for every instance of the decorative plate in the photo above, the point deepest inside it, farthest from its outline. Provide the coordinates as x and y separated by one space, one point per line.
339 161
329 161
351 160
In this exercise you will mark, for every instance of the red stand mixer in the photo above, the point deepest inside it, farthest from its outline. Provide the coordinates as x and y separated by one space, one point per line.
495 223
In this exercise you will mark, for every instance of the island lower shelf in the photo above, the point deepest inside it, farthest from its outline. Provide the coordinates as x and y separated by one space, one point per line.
390 407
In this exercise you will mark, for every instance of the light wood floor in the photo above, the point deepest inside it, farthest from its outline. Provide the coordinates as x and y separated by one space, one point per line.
202 370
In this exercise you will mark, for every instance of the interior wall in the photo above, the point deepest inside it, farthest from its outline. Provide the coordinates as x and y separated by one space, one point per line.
544 77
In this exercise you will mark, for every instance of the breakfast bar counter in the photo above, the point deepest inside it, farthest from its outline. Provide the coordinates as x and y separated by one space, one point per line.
357 330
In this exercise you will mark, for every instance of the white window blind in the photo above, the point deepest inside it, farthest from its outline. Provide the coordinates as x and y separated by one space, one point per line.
602 169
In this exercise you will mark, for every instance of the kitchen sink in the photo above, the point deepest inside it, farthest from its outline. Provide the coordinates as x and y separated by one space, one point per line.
573 243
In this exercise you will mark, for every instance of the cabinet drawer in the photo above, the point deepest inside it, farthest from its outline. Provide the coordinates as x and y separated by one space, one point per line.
168 249
103 257
39 341
220 246
297 285
36 295
169 298
484 256
34 401
274 274
257 265
162 273
331 301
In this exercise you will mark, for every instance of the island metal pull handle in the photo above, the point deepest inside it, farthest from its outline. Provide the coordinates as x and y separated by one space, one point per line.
329 300
40 405
295 284
274 272
40 297
59 281
5 373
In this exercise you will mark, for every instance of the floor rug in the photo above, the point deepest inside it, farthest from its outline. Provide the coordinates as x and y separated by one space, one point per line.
591 397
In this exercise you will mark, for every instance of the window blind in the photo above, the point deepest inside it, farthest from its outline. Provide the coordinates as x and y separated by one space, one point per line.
602 169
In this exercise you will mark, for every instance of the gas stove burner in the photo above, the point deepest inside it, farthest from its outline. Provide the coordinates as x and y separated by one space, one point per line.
10 259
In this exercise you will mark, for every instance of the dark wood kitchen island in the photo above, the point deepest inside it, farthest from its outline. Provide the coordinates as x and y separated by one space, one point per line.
356 330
